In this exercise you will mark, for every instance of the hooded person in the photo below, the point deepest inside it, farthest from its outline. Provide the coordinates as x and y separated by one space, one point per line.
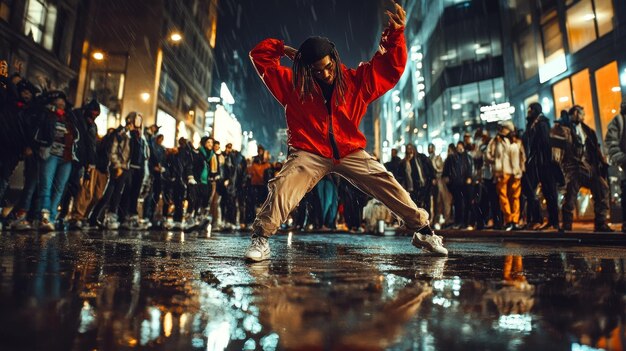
324 104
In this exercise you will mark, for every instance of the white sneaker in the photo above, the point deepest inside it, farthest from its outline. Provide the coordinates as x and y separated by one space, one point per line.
432 243
21 224
177 226
45 225
110 222
259 249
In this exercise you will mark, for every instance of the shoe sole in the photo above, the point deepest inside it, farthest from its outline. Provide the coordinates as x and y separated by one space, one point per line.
254 259
424 245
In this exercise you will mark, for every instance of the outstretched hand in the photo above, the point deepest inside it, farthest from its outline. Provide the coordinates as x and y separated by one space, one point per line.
397 19
290 52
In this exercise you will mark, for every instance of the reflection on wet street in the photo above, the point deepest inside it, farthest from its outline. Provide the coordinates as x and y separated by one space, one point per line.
174 291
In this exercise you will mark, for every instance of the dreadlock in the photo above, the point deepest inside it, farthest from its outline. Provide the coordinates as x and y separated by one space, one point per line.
304 82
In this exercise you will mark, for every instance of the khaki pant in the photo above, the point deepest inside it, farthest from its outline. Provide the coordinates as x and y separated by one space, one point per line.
303 170
90 193
509 190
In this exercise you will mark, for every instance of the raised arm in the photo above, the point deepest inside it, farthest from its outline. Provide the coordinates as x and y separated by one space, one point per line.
384 70
266 60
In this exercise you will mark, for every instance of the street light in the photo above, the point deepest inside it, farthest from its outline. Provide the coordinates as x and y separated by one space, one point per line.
98 55
176 37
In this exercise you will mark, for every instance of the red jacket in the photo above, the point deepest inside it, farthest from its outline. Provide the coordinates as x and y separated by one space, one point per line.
308 120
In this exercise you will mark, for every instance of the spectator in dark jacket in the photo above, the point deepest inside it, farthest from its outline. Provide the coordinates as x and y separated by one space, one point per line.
86 154
457 174
417 175
615 140
19 117
57 136
394 165
539 167
584 165
156 165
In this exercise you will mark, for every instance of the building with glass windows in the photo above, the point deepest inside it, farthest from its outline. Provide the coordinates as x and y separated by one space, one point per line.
455 69
566 52
154 58
41 36
473 63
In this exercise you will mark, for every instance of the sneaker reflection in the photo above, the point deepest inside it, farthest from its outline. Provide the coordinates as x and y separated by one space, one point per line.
340 305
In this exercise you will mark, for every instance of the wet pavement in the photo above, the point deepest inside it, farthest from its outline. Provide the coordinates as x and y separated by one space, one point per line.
174 291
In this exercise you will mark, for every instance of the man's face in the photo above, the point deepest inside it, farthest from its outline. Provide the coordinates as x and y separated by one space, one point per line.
216 147
59 104
394 152
459 148
578 116
410 152
324 70
159 140
228 149
260 151
26 95
431 149
467 139
530 113
208 144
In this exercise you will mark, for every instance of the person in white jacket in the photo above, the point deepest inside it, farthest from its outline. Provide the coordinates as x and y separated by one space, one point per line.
506 154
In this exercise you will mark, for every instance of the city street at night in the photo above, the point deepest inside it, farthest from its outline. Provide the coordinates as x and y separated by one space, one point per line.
174 290
313 175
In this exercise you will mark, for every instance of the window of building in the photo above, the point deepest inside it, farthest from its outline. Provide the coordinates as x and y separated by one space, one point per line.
551 35
587 20
609 93
526 56
562 96
40 22
604 16
5 10
582 94
581 27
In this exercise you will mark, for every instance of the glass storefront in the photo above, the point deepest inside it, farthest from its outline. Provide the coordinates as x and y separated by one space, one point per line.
582 94
458 108
577 90
562 92
609 93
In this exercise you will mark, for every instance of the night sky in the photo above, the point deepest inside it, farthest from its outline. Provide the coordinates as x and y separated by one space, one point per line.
354 26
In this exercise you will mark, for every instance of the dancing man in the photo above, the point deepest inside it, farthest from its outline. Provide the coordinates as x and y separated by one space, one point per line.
324 103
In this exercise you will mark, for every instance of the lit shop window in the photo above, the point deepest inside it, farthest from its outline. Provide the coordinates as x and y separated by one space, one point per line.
587 20
575 91
40 22
562 96
609 93
583 96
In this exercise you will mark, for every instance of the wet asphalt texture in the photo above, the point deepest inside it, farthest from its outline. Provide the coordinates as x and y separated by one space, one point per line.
193 291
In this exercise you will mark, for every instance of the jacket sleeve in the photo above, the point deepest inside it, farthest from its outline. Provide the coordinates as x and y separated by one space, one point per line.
384 70
116 162
613 139
543 140
266 60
